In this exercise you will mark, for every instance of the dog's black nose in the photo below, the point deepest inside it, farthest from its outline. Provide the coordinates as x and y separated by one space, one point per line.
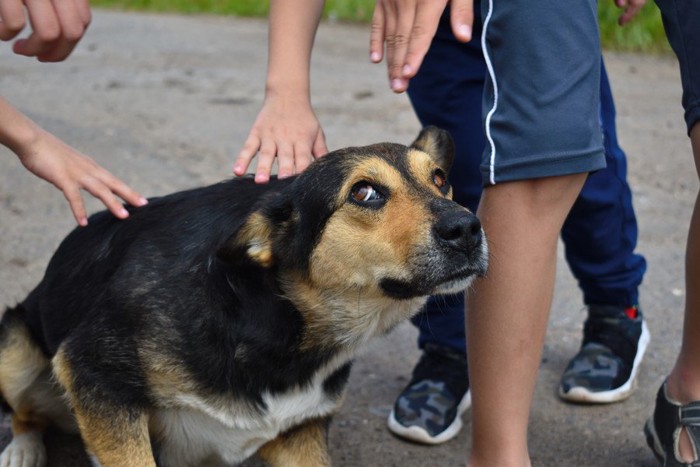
459 229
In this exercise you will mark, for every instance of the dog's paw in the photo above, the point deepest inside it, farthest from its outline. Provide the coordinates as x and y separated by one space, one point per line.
25 450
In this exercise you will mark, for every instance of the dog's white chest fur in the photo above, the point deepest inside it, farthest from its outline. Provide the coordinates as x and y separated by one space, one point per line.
201 433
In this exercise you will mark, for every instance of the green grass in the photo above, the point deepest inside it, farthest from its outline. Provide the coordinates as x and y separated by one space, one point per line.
644 34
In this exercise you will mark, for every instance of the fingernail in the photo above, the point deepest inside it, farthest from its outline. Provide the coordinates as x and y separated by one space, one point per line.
465 31
123 212
395 84
406 70
143 201
374 56
82 221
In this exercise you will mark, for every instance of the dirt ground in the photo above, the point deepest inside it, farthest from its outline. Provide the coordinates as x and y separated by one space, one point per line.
165 102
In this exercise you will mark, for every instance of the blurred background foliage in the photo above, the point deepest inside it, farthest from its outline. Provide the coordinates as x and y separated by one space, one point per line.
644 34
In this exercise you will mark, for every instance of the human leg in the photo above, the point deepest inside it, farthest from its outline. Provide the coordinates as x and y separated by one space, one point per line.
543 133
600 232
600 237
508 310
678 400
680 20
675 422
447 92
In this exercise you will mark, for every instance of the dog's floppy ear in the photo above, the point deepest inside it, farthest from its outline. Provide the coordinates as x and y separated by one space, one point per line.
437 143
254 239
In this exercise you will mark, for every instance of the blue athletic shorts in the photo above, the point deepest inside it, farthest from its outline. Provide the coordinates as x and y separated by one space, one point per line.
541 99
682 24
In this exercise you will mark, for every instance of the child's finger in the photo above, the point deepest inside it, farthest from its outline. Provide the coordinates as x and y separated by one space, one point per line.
422 32
72 29
376 37
83 8
631 9
302 156
285 160
11 18
77 206
397 31
462 19
45 29
102 192
128 194
266 158
320 148
250 148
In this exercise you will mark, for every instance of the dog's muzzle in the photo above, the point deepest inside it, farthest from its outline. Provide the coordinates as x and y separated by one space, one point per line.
459 230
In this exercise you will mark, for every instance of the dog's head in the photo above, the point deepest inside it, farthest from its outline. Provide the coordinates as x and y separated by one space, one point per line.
369 225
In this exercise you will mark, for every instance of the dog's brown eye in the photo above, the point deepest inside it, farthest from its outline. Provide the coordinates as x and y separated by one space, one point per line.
366 194
440 180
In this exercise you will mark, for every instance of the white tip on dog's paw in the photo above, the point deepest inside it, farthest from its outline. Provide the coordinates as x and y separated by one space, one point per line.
25 450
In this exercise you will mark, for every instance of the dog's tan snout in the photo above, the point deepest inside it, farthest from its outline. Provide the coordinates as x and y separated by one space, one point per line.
458 229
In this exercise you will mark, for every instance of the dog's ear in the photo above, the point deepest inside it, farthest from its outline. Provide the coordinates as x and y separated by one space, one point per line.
254 239
437 143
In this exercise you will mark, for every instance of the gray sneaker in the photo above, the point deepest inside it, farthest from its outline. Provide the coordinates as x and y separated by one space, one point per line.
429 409
605 368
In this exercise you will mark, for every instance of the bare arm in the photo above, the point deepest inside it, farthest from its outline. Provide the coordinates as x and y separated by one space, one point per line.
49 158
286 127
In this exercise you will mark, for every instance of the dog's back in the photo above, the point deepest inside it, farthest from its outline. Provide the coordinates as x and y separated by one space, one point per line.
172 239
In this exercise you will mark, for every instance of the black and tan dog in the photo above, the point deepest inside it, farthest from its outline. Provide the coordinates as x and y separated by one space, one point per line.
220 322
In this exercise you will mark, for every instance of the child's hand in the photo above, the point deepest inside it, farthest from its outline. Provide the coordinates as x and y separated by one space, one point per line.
70 171
407 28
289 131
57 26
630 8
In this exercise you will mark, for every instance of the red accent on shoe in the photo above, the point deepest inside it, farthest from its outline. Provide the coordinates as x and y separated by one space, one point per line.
631 312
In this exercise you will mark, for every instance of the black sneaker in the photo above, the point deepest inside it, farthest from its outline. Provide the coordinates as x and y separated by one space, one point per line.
663 429
429 409
604 370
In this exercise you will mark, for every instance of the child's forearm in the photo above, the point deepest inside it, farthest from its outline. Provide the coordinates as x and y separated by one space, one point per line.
292 30
16 130
286 129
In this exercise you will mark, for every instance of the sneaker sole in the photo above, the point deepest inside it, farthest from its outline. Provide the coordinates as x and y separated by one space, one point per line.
582 395
420 435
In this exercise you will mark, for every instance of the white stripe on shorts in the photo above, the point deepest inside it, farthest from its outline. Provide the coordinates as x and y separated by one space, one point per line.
492 75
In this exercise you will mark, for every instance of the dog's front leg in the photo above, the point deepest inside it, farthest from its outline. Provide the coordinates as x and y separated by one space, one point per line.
303 446
117 439
114 436
27 445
